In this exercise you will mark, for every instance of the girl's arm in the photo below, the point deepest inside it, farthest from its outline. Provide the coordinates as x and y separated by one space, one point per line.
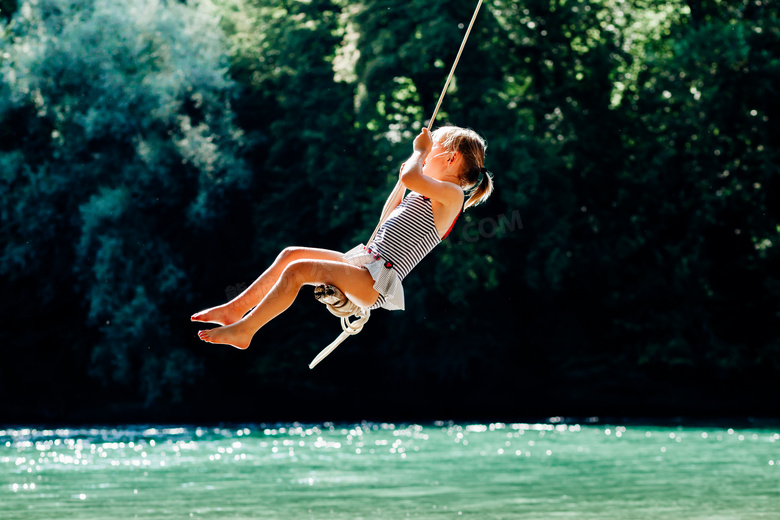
412 176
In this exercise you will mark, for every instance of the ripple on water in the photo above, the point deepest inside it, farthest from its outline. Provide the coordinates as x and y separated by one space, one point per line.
517 470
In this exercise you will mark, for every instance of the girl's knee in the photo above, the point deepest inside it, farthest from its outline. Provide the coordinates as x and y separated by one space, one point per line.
289 254
293 276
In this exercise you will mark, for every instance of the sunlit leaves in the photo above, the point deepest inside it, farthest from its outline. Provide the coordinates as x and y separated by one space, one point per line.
635 138
121 123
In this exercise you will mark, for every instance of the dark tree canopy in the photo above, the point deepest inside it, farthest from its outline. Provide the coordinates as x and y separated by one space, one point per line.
156 156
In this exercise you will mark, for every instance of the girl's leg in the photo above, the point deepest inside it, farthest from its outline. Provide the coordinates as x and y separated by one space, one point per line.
355 282
235 309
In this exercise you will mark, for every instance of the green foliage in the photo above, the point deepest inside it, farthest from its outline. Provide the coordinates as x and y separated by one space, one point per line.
308 148
702 121
119 139
636 141
638 169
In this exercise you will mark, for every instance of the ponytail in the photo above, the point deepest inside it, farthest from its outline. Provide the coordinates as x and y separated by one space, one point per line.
480 193
472 148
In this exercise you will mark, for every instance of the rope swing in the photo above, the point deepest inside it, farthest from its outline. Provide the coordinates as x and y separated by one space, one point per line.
336 301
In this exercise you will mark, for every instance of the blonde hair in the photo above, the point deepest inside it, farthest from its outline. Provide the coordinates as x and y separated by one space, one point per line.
472 148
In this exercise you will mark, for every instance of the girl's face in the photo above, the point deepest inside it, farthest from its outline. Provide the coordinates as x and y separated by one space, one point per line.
437 162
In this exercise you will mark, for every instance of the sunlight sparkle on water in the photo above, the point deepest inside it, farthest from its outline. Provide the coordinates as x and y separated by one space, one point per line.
373 470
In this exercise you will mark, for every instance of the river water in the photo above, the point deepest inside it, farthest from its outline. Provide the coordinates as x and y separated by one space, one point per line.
368 471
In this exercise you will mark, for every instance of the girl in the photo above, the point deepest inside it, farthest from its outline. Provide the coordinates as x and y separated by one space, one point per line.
441 166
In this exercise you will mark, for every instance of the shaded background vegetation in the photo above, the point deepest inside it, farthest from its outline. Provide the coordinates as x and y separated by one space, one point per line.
156 155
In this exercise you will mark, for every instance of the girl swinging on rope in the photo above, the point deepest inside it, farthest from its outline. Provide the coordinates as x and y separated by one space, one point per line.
441 167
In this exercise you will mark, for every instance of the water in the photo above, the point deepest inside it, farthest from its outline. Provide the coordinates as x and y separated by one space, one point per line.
367 471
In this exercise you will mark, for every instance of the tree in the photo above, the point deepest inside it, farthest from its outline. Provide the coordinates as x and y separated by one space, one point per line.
119 148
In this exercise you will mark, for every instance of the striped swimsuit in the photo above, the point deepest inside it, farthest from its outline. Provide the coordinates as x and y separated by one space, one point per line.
408 234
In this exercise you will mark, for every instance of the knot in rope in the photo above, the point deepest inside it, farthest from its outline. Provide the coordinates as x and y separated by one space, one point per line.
339 305
337 302
356 326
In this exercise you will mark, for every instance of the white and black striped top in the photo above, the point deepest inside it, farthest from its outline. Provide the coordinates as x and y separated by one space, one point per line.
408 234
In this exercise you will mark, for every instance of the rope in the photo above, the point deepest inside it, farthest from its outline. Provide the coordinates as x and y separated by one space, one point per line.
349 329
338 304
399 187
457 59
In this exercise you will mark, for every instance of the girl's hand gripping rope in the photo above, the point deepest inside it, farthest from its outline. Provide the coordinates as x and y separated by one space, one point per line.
423 143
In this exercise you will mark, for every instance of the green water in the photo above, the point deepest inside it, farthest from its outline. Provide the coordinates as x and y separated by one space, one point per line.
367 471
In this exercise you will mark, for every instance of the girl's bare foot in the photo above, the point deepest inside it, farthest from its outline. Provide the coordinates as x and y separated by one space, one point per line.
234 335
221 315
